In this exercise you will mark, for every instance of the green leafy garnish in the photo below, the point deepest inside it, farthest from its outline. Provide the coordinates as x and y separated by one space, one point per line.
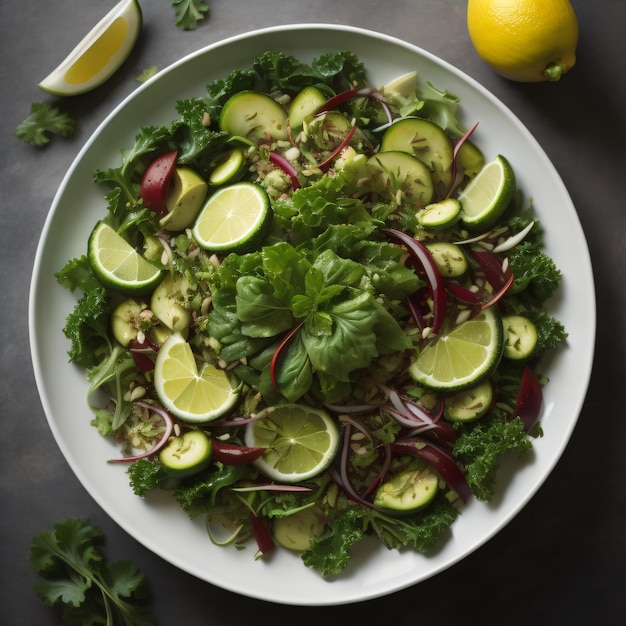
189 13
43 121
148 73
76 575
330 553
481 450
534 271
87 326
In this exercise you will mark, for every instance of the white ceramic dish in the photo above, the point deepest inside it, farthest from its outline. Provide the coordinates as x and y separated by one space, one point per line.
157 522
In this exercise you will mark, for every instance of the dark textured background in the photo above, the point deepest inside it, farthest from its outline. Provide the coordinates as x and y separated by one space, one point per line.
562 559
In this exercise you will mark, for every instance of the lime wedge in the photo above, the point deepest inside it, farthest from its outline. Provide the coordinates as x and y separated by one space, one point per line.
462 354
118 264
99 54
192 395
233 218
488 194
301 442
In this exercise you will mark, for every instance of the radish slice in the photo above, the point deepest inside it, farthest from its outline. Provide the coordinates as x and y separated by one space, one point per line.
529 405
281 162
500 279
234 454
262 535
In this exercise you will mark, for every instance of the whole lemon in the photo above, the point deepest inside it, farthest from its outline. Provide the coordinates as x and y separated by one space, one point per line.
524 40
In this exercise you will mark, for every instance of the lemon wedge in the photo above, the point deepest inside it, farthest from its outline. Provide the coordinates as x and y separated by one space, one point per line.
193 394
101 52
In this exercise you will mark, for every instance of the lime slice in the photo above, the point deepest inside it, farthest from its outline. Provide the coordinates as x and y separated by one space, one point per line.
488 194
301 442
463 354
192 395
99 54
233 218
118 264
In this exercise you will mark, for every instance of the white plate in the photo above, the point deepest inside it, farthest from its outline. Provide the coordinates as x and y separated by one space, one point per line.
158 523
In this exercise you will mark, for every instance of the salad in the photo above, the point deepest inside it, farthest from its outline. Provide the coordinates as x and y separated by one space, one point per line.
367 332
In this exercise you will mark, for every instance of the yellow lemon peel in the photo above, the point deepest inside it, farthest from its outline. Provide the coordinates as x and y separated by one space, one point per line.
99 54
524 40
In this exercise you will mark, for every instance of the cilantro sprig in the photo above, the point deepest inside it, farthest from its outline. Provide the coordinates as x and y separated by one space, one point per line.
189 12
75 574
44 120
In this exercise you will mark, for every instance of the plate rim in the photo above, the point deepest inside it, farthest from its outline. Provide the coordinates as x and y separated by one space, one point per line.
37 270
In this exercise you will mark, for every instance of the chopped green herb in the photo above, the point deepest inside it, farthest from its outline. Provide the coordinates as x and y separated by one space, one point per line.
76 575
148 73
189 13
44 120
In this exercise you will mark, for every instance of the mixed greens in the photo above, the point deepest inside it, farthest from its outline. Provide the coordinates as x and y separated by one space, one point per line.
327 307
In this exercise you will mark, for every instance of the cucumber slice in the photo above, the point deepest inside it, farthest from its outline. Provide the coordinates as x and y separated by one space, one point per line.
297 531
470 160
229 168
408 491
305 104
188 454
520 337
395 171
440 215
449 257
254 116
423 139
470 404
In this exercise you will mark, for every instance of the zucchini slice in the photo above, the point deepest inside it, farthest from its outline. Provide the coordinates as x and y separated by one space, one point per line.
470 404
305 104
423 139
254 116
449 257
440 215
408 491
188 454
520 337
396 172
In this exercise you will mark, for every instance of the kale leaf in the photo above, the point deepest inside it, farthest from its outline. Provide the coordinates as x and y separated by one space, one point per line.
482 447
198 496
535 272
87 326
146 475
420 532
330 553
